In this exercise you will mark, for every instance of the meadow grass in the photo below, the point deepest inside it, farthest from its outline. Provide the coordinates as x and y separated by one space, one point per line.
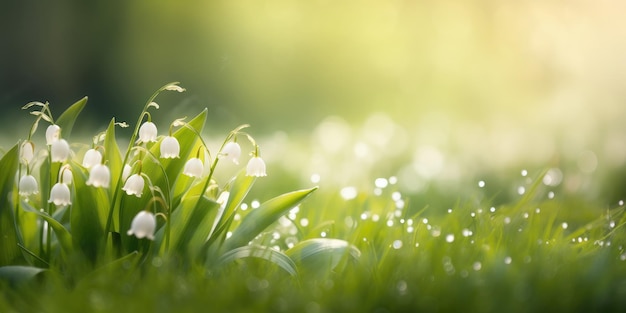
313 250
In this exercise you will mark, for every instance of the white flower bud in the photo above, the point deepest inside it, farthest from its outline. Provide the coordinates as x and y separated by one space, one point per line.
27 152
148 132
53 132
28 185
193 168
143 225
134 185
91 158
60 150
256 167
99 176
170 148
231 151
60 195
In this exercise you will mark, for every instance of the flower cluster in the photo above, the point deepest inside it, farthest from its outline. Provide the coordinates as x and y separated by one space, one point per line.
148 153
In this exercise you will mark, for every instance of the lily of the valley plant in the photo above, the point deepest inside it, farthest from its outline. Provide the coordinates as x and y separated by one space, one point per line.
157 197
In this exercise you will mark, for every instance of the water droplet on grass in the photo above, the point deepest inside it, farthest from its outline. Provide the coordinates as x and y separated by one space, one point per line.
524 173
507 260
396 196
381 182
397 244
315 178
348 193
477 266
450 238
521 190
393 180
564 225
481 184
304 222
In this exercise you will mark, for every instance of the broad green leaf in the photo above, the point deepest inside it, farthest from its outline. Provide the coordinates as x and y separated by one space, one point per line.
17 274
162 175
321 253
112 154
240 186
9 251
88 214
261 252
190 224
68 118
125 264
63 235
260 218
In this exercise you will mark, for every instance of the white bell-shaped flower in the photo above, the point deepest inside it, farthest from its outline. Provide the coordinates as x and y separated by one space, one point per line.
60 150
53 133
222 199
27 152
148 132
65 172
231 151
126 171
134 185
143 225
60 195
193 168
28 185
91 158
99 176
256 167
170 148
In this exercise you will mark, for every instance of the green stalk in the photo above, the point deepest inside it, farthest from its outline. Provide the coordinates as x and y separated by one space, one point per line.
130 145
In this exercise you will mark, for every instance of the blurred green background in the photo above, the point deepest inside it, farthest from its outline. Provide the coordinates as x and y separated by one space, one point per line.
434 88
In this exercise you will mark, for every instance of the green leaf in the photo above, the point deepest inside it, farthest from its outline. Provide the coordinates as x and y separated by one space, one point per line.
68 118
63 235
261 252
190 224
260 218
321 253
9 251
88 214
163 177
240 186
112 154
18 274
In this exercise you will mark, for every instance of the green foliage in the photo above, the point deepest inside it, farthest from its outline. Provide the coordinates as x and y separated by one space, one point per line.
369 253
9 251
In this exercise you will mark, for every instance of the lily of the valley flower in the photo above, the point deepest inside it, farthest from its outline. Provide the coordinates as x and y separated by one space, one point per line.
91 158
60 195
99 176
231 151
28 185
193 168
126 171
148 132
134 185
53 132
65 172
143 225
60 150
170 148
256 167
27 152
